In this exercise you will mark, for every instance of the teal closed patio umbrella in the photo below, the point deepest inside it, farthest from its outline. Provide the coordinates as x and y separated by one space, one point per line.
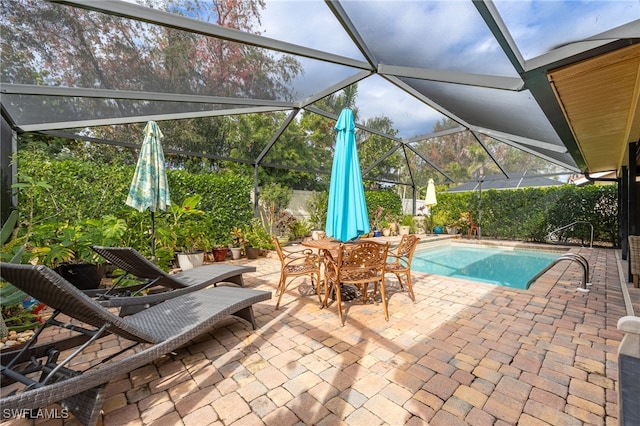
347 216
149 188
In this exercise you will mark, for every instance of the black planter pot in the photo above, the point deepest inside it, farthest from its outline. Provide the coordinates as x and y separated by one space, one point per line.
85 276
252 252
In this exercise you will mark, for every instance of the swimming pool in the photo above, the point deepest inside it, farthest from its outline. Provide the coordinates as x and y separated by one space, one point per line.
500 266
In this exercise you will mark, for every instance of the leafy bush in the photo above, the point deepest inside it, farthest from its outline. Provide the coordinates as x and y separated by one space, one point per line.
68 191
317 204
530 214
388 200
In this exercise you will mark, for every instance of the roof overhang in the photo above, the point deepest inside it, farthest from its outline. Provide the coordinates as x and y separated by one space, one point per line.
600 99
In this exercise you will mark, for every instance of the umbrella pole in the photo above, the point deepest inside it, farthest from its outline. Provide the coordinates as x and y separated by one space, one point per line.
153 237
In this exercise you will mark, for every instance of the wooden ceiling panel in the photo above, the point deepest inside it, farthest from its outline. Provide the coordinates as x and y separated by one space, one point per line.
599 97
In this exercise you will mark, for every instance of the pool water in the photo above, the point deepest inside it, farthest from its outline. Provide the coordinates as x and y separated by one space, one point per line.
510 268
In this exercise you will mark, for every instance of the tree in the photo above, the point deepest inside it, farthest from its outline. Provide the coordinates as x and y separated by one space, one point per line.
95 50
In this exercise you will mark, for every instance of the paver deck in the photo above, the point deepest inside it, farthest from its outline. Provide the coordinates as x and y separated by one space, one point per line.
464 353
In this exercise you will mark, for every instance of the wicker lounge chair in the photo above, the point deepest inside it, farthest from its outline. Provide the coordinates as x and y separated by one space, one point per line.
153 332
131 261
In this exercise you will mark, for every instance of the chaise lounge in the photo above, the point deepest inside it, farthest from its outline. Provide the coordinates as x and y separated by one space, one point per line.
152 332
134 263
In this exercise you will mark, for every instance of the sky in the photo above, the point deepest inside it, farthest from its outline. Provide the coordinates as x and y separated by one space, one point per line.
446 35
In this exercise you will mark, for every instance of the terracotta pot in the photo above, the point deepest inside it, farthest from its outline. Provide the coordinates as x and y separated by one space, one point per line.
220 254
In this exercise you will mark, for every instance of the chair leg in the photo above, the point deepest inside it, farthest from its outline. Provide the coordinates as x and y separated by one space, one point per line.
384 300
317 285
281 289
365 290
339 302
409 286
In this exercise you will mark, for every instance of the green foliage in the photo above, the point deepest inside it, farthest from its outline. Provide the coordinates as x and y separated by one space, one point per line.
257 235
299 229
530 214
64 194
274 198
317 205
388 200
52 243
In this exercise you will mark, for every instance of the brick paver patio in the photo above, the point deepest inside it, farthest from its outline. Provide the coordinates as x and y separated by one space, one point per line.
464 353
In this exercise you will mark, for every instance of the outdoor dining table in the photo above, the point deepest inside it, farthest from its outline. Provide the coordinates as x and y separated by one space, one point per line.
323 246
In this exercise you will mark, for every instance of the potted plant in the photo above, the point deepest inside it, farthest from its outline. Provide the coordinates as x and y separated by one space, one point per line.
191 243
384 225
406 224
454 227
393 225
258 238
239 242
376 217
66 248
184 232
439 220
221 248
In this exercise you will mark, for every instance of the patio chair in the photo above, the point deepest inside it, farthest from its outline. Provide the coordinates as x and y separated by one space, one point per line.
399 262
134 263
472 227
359 263
634 258
295 264
153 332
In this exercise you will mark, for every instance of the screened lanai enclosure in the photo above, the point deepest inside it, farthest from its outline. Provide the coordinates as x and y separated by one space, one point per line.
449 90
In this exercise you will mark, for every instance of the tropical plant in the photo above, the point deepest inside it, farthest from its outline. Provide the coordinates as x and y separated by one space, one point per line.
317 204
274 198
53 243
257 235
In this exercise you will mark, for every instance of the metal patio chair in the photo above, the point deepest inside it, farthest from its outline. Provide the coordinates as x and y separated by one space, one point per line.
359 263
399 261
295 264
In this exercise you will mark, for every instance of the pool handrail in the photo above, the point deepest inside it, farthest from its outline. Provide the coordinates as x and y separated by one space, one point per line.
569 225
573 257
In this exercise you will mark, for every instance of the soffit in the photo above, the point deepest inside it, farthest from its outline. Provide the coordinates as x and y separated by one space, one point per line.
600 100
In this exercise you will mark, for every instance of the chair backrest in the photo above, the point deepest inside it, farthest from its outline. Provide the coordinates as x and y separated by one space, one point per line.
278 247
468 218
53 290
405 250
407 245
130 260
362 260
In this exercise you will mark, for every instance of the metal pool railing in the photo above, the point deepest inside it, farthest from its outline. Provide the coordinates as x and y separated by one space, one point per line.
572 257
568 226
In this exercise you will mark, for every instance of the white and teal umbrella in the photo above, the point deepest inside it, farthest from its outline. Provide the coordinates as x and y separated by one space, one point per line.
149 188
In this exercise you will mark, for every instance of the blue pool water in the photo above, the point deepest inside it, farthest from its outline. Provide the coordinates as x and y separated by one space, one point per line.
510 268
